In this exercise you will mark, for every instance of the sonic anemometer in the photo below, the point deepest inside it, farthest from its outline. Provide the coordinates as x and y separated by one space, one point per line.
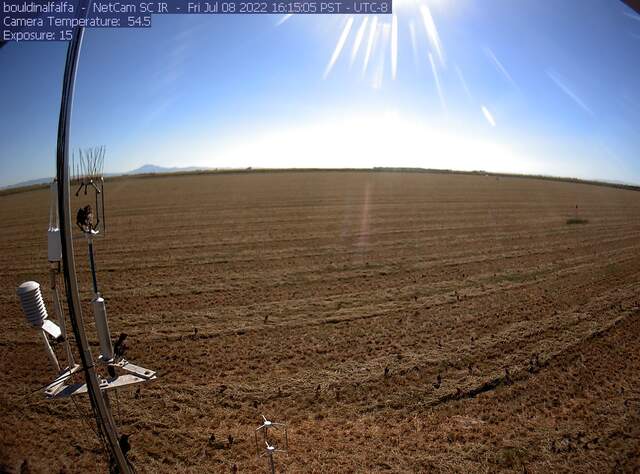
266 442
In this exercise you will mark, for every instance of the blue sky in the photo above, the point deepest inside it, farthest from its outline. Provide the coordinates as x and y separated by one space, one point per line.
545 87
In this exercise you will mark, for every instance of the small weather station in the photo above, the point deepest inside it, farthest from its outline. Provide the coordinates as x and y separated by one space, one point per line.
112 370
266 443
91 223
82 179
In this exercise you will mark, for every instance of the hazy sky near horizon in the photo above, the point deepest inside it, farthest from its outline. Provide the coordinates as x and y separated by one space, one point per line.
542 87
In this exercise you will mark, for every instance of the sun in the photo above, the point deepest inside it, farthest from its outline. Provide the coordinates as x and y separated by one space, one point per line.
370 139
371 46
368 39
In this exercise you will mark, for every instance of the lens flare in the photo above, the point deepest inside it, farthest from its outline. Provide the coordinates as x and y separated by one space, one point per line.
436 78
358 40
394 47
498 65
339 47
373 31
432 32
380 35
488 116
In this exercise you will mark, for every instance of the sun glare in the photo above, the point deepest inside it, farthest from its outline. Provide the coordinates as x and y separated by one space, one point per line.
374 139
377 36
377 48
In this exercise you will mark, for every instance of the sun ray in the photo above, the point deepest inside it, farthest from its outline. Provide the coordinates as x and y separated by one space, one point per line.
370 43
383 38
438 86
394 47
488 116
364 218
414 42
432 32
463 82
562 84
283 19
339 47
490 54
359 37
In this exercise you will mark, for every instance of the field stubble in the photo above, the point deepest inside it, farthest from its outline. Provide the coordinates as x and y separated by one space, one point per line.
397 321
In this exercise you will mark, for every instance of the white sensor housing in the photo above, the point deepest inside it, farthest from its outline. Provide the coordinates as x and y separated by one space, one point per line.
54 246
34 308
102 328
32 303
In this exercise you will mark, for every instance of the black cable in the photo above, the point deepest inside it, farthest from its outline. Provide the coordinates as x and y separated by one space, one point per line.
84 418
118 407
92 262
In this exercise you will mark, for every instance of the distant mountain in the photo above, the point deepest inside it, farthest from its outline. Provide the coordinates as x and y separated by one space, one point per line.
144 169
31 182
155 169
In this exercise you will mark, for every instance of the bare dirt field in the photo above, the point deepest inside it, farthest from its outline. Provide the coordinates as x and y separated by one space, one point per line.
403 322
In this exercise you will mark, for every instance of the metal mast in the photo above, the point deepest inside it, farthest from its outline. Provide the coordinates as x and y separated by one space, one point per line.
99 400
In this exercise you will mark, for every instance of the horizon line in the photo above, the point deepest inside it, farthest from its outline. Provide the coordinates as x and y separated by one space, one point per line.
30 185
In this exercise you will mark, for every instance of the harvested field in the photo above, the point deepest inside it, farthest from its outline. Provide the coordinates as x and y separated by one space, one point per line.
401 322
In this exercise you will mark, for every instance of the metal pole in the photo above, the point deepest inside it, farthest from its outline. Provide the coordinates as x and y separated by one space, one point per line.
92 263
104 420
58 307
50 353
272 464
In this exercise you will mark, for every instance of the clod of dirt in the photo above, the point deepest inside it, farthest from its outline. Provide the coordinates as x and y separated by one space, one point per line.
217 444
507 376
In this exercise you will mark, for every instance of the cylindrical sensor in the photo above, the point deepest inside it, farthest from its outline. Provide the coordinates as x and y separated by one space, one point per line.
54 247
102 327
32 303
